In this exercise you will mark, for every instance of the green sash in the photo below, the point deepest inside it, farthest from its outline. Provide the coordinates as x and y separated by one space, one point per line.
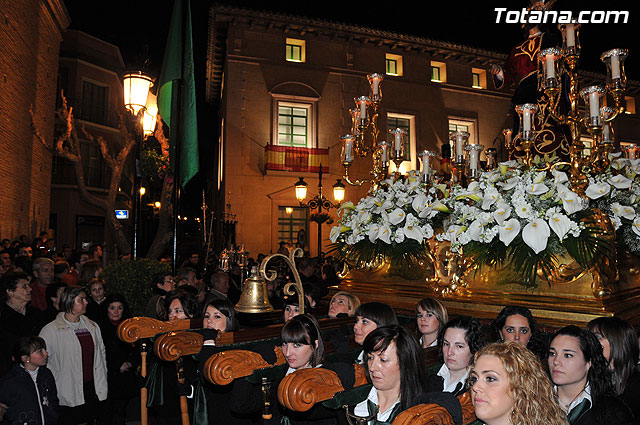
371 406
576 413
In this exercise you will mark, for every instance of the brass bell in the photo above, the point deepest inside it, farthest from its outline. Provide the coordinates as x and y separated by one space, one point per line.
253 298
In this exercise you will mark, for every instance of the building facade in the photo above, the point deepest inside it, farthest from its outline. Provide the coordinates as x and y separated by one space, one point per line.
90 79
284 87
30 38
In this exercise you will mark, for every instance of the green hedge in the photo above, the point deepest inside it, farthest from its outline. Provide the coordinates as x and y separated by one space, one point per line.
134 280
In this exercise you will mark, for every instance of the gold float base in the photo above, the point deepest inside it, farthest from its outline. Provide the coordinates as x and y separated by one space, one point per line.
574 301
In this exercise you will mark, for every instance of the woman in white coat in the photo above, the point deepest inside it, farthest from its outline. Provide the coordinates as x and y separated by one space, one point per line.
76 358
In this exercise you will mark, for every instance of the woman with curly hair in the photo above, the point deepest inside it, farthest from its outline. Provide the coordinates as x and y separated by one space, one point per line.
516 323
584 384
458 341
619 342
508 385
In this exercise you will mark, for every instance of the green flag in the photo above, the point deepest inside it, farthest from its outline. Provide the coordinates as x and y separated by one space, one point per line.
178 109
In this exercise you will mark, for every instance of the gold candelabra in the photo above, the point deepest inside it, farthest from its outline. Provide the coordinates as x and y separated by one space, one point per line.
553 64
363 141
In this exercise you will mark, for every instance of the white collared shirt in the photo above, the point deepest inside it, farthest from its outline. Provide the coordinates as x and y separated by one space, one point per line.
362 409
584 395
433 344
291 370
448 385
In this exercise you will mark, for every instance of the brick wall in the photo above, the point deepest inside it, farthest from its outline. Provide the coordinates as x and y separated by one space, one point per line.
30 35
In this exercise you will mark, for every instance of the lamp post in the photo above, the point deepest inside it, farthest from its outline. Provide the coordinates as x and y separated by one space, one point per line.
143 108
319 202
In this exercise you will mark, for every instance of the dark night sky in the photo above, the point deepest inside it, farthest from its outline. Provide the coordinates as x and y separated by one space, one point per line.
132 25
139 27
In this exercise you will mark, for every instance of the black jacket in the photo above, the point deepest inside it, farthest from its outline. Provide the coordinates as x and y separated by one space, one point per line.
18 392
606 410
247 398
631 395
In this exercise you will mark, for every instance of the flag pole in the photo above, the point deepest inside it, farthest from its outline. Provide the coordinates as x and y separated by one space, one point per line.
176 112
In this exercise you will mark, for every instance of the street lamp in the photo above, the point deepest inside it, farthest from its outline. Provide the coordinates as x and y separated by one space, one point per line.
137 101
319 202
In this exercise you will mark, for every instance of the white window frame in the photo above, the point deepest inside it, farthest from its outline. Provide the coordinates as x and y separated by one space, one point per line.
303 49
399 68
412 164
299 102
443 71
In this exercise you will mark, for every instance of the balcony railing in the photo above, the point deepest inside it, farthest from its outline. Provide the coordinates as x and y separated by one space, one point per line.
301 160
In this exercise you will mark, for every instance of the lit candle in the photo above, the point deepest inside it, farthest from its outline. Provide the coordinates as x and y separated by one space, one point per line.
615 66
550 69
571 37
507 137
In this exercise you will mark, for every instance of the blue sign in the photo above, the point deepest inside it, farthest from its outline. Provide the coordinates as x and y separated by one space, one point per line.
122 214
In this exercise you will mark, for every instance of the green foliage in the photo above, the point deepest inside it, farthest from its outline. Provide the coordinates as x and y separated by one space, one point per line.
153 165
134 280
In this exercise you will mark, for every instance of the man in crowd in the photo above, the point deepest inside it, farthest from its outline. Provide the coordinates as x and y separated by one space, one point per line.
43 271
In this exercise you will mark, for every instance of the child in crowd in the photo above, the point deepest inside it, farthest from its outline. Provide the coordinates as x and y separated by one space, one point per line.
28 391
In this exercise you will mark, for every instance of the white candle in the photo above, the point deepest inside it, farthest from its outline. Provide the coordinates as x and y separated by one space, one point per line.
363 110
385 155
348 150
374 86
571 38
526 120
594 105
507 138
549 62
459 141
606 133
426 167
473 159
398 142
615 66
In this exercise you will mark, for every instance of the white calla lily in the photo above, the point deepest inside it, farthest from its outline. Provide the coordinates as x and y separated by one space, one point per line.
422 205
537 189
560 224
508 231
491 196
620 182
623 211
619 163
334 233
502 213
475 230
536 234
412 228
559 176
571 202
597 190
396 216
636 225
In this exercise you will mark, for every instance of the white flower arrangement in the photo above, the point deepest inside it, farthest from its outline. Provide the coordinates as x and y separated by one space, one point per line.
395 220
513 214
617 193
513 202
